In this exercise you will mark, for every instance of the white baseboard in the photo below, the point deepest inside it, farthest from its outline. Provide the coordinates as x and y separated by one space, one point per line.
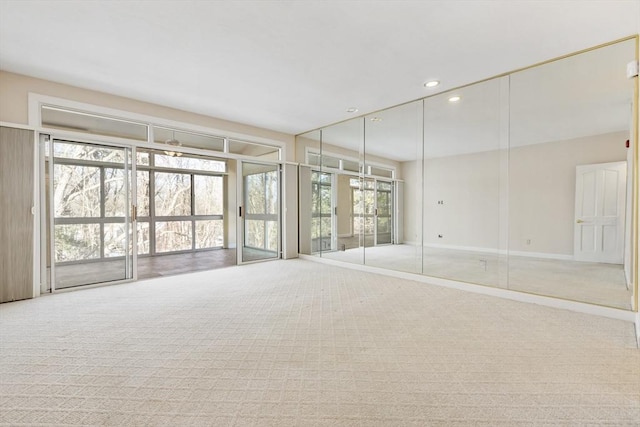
580 307
543 255
466 248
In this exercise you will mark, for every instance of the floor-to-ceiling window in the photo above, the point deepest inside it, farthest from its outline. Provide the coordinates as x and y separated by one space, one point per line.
186 212
126 199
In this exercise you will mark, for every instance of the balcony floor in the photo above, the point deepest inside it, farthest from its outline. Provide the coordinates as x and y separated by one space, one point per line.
71 275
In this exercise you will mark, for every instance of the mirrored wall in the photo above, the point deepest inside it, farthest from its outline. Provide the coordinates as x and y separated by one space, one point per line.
521 182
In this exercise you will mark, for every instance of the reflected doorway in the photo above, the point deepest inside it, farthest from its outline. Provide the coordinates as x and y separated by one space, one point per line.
372 211
323 212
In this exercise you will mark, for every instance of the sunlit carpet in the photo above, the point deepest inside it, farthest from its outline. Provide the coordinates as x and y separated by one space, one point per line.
298 343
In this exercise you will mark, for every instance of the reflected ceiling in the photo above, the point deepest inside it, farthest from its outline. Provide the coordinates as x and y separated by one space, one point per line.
587 94
294 65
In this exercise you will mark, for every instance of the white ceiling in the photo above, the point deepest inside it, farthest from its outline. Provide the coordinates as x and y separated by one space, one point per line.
292 66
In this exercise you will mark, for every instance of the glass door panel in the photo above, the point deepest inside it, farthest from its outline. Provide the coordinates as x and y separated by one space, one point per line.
367 209
321 212
90 202
384 210
260 212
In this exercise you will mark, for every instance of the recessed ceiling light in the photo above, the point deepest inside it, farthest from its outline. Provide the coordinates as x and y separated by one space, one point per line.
352 110
432 83
376 119
454 98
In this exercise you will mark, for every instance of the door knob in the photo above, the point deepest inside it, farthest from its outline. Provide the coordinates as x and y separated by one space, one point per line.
579 221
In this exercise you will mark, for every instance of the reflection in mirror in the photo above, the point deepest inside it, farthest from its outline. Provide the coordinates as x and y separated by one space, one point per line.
570 228
391 223
339 203
465 176
309 158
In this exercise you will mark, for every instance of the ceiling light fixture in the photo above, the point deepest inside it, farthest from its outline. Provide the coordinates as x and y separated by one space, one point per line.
352 110
174 143
432 83
376 119
454 98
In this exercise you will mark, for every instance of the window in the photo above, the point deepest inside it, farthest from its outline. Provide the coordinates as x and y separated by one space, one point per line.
321 211
186 211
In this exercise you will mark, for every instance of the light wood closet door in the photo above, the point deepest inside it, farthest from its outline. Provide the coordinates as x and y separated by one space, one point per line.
16 219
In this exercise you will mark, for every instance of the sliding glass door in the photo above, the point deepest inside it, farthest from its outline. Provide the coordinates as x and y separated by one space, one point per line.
322 212
372 211
259 212
90 208
384 212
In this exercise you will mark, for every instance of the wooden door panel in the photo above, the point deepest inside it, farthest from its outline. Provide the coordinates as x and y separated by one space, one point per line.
16 217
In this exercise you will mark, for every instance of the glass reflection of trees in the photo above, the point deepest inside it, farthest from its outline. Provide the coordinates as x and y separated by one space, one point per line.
262 210
188 200
321 218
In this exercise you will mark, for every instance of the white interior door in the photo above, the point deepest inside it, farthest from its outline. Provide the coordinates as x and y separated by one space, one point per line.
599 212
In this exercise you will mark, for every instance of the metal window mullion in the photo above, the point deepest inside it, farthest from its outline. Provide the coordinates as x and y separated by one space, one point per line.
102 211
265 210
261 217
152 207
189 217
193 212
375 211
88 220
52 234
130 196
86 162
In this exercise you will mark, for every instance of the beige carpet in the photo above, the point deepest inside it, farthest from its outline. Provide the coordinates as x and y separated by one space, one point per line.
297 343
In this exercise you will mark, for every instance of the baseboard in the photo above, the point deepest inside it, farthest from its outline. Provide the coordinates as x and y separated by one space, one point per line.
543 255
580 307
466 248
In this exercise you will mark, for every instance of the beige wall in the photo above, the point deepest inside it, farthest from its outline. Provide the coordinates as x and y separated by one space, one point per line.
14 90
469 188
411 173
343 204
302 144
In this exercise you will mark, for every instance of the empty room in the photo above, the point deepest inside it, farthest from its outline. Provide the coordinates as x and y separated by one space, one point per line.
319 213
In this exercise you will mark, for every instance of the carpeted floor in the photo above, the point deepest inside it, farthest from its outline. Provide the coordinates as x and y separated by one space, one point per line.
297 343
593 283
